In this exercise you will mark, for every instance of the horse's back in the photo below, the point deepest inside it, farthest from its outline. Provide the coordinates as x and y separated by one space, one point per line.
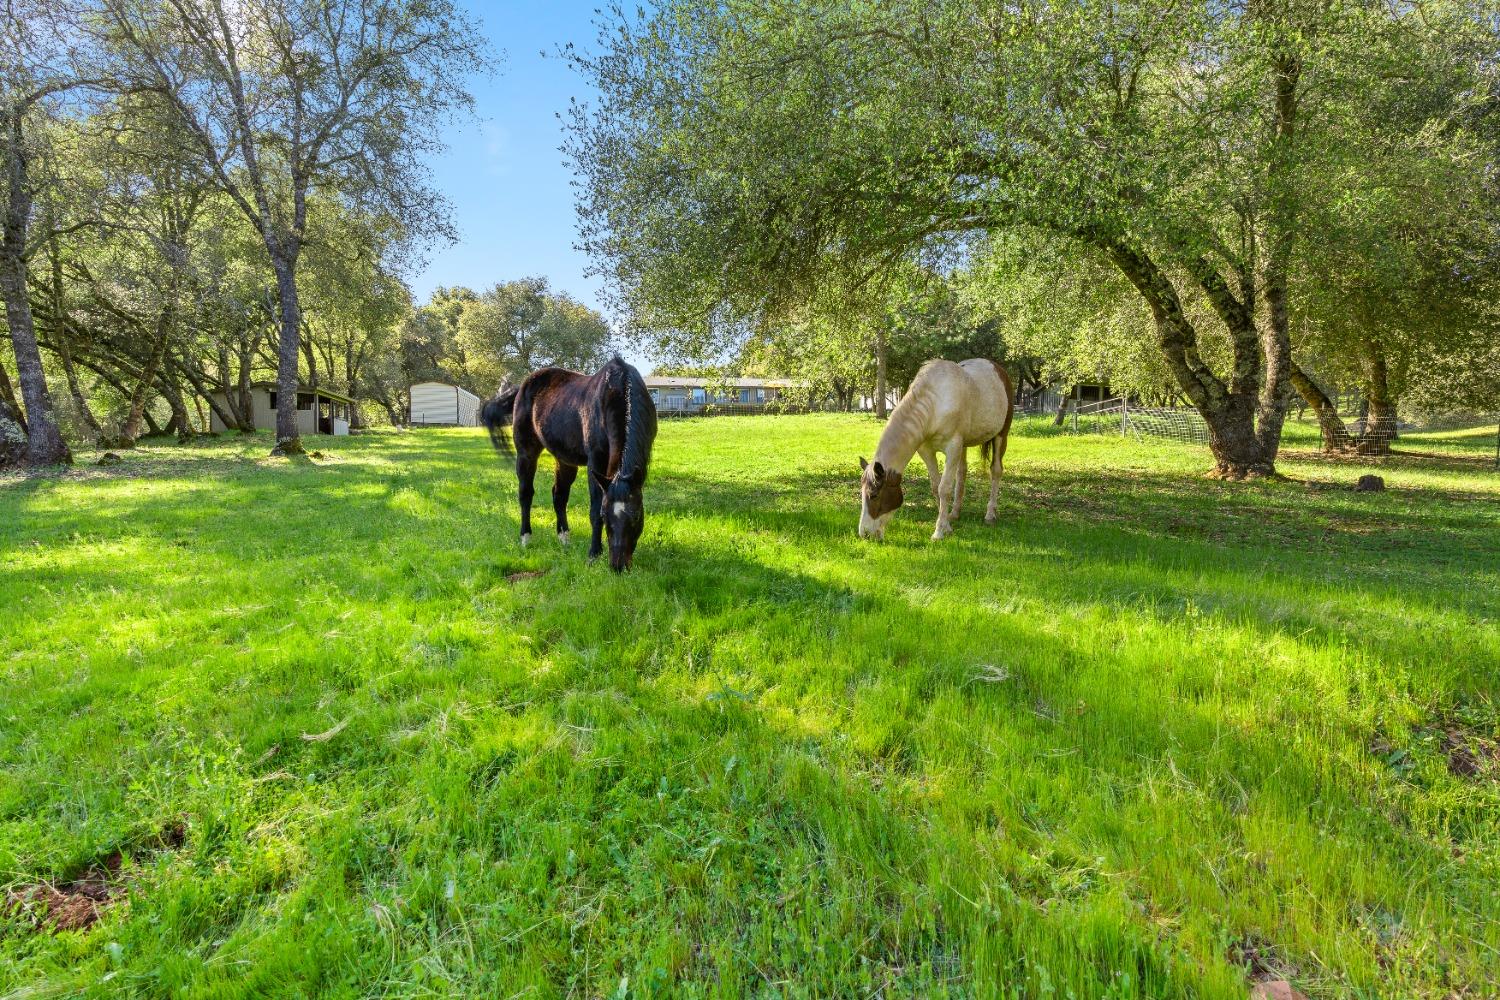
546 407
985 399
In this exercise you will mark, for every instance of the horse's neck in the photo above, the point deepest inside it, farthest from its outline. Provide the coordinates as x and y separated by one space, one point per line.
902 434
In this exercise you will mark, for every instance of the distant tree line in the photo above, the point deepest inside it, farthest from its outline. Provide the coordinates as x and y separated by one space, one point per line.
197 195
486 340
1241 206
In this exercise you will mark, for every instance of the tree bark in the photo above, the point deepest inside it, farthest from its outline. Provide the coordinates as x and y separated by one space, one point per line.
880 383
1380 430
131 428
1336 436
226 414
63 346
44 440
1276 339
1228 410
65 355
288 438
171 390
8 397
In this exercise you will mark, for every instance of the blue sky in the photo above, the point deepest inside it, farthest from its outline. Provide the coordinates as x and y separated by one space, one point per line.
503 173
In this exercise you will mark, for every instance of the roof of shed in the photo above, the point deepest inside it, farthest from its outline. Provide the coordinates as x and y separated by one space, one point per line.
270 386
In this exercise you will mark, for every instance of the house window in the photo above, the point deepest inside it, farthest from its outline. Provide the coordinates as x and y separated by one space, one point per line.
304 401
744 395
273 400
760 395
700 396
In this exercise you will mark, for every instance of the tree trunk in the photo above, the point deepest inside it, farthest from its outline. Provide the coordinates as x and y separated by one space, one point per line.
131 428
1380 429
171 389
226 414
288 438
8 397
44 440
245 413
12 436
1336 437
1228 410
64 346
65 354
1276 338
310 354
1276 344
880 352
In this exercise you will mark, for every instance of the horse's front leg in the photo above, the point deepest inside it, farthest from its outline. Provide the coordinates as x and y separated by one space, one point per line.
526 476
958 487
953 456
562 485
596 515
929 459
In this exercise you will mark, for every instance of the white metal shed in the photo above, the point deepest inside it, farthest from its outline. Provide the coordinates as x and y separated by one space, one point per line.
440 403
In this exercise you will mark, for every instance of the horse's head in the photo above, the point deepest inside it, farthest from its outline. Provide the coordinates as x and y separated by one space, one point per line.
879 496
624 519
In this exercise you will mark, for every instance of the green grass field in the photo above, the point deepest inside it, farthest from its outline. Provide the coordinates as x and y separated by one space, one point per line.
1150 736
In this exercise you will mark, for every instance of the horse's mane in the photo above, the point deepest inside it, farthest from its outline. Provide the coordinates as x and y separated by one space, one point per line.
640 429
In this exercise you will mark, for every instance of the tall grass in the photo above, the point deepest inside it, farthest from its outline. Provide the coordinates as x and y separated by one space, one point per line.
1151 735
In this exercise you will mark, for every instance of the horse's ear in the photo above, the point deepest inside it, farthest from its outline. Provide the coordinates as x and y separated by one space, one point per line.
879 471
863 464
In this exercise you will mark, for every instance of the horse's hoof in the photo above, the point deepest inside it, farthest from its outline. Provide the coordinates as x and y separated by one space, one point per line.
526 539
941 533
562 537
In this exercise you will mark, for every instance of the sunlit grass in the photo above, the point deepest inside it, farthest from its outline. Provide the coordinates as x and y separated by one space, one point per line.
1145 727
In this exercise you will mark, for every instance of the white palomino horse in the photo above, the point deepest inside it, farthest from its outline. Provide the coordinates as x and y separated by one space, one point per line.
949 408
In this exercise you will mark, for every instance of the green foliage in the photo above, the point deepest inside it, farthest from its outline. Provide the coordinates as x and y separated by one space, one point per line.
1096 750
746 161
1071 313
513 328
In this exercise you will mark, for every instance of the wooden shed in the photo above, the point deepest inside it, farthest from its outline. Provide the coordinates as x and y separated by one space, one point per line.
440 403
319 411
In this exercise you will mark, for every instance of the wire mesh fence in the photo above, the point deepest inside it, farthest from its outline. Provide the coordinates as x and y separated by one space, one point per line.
1120 417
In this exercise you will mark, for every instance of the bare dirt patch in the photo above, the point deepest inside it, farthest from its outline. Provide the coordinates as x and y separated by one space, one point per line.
78 904
1470 753
1262 961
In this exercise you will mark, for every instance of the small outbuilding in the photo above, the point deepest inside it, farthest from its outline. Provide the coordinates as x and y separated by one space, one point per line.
440 403
319 411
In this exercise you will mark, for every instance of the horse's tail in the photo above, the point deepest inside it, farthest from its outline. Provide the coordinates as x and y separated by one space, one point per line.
496 414
987 449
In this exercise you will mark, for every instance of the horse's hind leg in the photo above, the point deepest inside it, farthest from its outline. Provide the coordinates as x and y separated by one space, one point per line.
526 476
562 485
997 465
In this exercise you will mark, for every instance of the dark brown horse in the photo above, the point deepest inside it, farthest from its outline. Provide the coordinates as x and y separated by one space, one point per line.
604 422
